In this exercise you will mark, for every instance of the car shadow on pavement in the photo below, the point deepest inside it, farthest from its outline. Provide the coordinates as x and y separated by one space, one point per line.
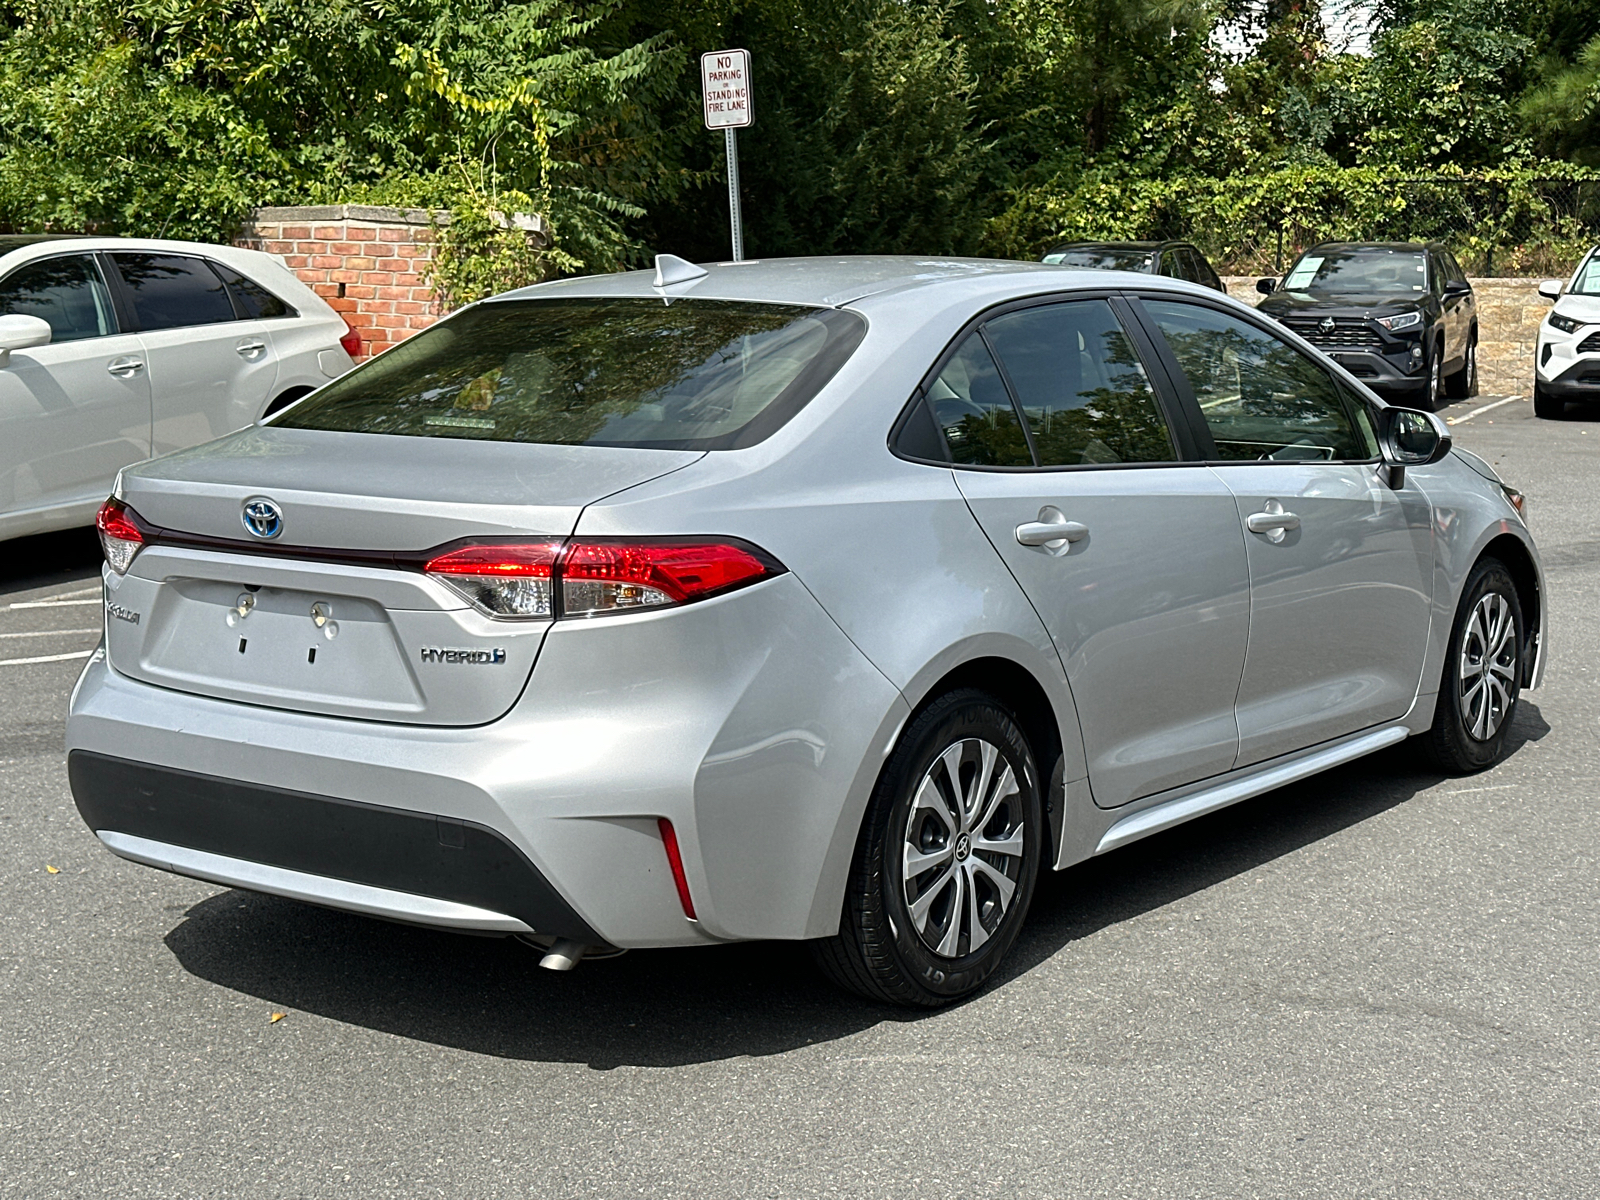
662 1008
71 556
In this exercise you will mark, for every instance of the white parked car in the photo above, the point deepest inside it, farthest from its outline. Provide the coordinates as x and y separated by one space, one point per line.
1566 364
113 350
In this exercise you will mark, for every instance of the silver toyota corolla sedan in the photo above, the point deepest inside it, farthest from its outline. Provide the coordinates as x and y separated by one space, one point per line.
824 599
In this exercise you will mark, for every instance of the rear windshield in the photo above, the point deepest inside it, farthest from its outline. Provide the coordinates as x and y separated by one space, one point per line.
1359 272
689 375
1103 258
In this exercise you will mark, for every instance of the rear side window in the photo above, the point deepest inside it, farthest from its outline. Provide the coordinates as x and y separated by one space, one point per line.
67 292
970 403
171 291
690 375
1080 385
251 301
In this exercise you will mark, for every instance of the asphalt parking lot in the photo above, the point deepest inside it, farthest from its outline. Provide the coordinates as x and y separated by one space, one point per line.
1377 983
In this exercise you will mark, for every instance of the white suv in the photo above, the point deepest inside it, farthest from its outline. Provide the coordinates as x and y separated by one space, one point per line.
113 350
1566 363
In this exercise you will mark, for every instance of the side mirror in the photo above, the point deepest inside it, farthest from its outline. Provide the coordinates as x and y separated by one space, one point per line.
1550 289
18 332
1266 286
1457 287
1410 438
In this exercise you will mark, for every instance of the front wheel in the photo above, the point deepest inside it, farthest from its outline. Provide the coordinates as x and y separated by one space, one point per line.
1436 380
1482 673
947 860
1546 406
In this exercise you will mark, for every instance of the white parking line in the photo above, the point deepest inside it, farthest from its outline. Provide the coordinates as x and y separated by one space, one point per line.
1486 408
44 658
49 603
47 633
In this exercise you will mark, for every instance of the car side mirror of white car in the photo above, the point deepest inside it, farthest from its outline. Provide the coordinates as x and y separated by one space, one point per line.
1550 289
18 332
1410 438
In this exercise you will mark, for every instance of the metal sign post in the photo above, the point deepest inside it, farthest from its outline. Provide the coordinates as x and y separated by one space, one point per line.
725 86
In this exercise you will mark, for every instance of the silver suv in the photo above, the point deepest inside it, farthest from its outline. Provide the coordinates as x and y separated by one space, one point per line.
826 600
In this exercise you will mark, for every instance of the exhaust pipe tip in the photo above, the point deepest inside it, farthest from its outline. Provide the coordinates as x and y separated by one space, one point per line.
563 955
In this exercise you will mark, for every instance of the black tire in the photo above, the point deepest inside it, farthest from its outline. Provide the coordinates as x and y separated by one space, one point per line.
1462 740
1463 385
1436 379
281 402
882 950
1546 406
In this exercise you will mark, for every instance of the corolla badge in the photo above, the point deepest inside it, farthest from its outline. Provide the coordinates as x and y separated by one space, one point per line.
262 517
1327 325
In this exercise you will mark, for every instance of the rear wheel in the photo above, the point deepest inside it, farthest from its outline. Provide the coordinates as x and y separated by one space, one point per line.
947 860
1464 383
281 402
1482 673
1545 405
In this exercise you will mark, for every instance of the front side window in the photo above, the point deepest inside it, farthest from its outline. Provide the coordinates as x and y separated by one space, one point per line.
1587 281
1261 398
67 292
970 403
690 375
173 291
1080 385
1363 272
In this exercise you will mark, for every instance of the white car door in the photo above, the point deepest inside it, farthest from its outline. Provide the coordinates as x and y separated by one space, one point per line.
75 411
210 373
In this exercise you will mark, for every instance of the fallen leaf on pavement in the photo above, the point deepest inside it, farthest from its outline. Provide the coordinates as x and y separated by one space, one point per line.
52 870
276 1017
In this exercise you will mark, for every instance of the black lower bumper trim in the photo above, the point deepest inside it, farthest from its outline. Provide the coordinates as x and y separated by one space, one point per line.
321 835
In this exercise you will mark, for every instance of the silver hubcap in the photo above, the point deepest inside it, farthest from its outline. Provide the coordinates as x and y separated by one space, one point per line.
1488 668
1472 367
962 854
1435 374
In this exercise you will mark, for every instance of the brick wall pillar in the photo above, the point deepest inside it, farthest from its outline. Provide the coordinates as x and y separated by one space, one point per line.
364 261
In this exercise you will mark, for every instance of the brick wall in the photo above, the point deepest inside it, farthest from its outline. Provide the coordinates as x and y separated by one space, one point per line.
1509 312
365 261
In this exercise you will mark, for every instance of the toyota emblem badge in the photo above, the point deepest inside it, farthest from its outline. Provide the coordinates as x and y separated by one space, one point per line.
1327 325
262 517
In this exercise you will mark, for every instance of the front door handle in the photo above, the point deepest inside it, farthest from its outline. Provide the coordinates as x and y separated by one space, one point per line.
1051 533
126 367
251 348
1275 522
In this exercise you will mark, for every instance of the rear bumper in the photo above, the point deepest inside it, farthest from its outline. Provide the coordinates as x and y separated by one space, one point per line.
385 862
749 721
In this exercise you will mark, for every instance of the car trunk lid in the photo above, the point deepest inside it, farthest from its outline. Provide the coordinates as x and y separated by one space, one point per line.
333 614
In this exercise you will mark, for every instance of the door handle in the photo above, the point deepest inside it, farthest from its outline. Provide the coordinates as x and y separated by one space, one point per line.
1274 522
126 367
250 348
1050 533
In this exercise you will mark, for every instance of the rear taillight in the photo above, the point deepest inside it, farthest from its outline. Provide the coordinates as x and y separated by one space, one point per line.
606 576
351 341
120 536
588 578
505 580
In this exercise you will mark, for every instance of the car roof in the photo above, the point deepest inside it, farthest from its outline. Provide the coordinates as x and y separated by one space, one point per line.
830 281
1378 246
1114 245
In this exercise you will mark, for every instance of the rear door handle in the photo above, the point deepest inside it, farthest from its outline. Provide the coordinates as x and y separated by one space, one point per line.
1275 522
126 367
1051 533
250 348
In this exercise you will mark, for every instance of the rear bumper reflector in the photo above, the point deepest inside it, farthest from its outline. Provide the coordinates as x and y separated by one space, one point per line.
343 853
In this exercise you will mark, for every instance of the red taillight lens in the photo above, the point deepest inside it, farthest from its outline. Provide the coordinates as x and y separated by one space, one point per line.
505 580
606 576
120 535
351 341
584 578
669 839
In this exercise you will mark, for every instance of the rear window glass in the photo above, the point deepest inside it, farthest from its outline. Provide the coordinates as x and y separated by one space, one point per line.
689 375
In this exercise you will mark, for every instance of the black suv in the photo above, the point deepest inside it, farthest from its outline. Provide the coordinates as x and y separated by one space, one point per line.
1176 260
1399 316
